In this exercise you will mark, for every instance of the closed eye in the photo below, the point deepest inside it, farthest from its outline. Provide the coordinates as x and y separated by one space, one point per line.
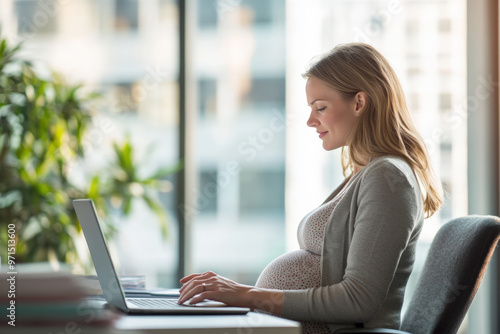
321 109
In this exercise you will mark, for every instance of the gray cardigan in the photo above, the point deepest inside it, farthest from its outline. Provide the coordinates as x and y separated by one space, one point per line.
368 250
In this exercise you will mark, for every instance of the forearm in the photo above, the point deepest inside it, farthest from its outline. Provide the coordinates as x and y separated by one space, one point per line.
267 300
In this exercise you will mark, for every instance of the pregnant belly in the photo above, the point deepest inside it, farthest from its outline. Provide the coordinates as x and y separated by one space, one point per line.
298 269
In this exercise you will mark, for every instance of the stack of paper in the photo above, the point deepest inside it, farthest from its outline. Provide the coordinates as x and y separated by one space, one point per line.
93 287
47 299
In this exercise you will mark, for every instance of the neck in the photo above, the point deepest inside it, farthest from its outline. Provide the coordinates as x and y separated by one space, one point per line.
357 168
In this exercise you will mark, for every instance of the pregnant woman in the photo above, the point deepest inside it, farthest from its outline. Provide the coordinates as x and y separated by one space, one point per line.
358 247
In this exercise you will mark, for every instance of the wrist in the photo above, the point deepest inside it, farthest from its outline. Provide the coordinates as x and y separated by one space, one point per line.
267 300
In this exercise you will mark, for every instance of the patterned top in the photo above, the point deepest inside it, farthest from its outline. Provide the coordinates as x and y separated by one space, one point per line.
301 269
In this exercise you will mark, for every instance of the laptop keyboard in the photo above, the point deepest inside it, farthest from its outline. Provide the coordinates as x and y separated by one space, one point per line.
154 303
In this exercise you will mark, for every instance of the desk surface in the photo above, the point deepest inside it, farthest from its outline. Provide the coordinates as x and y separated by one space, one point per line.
254 323
250 323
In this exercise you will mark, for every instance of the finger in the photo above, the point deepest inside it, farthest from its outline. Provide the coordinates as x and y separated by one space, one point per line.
184 286
190 277
191 292
202 297
209 291
189 286
195 279
193 282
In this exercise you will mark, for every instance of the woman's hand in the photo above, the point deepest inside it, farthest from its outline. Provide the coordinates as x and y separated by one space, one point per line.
198 287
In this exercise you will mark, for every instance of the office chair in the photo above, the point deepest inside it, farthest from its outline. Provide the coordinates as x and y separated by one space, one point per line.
452 272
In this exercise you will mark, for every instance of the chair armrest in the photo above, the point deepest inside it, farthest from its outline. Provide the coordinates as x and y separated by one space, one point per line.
370 331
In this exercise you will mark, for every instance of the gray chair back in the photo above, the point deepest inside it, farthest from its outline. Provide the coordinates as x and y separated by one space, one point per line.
453 270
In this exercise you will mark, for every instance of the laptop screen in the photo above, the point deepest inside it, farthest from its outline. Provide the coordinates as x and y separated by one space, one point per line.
110 284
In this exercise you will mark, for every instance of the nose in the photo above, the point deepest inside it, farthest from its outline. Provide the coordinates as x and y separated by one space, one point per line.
312 121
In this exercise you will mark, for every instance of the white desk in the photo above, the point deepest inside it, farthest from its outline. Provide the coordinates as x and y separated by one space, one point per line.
251 323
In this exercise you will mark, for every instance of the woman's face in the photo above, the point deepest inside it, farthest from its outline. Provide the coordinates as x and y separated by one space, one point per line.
332 116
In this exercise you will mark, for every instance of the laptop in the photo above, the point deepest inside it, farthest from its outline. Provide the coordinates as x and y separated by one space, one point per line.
111 286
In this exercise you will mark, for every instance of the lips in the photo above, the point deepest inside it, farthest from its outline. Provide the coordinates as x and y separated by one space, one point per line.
322 133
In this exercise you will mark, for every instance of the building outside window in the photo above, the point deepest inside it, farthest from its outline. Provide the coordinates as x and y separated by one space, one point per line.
240 46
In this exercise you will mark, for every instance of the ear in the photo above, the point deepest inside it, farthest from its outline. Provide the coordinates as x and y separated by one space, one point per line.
360 101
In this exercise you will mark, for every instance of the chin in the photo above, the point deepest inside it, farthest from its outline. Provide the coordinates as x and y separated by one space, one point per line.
330 147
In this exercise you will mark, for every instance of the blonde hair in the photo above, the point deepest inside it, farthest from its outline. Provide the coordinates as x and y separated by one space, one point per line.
386 125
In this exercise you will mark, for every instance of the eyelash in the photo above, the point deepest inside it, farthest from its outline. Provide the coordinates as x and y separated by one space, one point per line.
321 109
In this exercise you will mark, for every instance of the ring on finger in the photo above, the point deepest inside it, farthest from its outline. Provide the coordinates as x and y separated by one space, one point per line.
204 287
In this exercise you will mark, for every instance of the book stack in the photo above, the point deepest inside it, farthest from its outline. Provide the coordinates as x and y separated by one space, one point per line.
48 299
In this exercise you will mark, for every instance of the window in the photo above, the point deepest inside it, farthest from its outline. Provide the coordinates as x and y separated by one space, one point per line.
262 191
239 149
444 101
262 13
207 12
126 15
137 78
264 94
35 17
123 98
413 101
207 97
207 197
412 27
444 26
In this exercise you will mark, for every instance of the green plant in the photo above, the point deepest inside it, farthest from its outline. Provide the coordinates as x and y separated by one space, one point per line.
43 122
